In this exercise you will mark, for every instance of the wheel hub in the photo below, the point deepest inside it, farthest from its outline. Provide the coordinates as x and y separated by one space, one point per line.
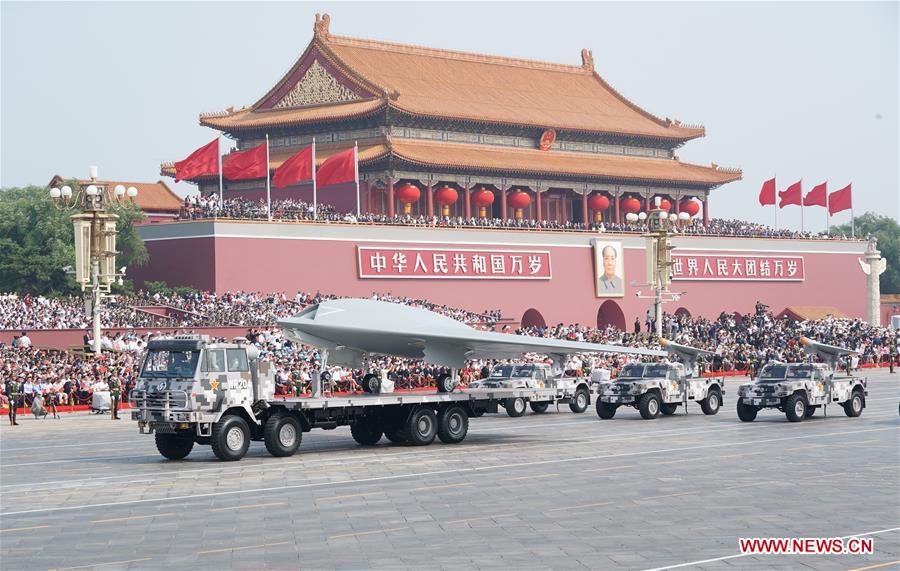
799 408
235 438
653 407
424 425
287 435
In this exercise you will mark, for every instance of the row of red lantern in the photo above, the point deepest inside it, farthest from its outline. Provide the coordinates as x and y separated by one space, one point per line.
633 205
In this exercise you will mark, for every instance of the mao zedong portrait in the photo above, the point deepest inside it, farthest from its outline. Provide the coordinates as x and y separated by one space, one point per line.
610 283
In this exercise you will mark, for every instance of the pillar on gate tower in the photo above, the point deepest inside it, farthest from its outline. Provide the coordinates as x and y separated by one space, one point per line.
429 199
706 210
503 202
584 209
468 200
537 199
618 196
873 266
390 189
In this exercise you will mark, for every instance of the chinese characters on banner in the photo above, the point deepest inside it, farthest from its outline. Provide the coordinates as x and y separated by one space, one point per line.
721 267
440 263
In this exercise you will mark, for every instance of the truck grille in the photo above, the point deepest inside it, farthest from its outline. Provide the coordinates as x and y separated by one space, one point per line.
171 400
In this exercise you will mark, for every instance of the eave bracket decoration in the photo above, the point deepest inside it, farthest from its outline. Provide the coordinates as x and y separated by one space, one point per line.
316 86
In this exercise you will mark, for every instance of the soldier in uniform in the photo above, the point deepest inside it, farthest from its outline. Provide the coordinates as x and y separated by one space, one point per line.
13 390
115 391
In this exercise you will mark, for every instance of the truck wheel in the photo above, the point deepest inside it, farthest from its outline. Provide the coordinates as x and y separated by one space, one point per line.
366 431
580 402
795 407
810 411
282 435
710 405
649 406
855 405
514 406
421 427
371 383
395 436
453 424
606 410
230 438
668 409
445 384
746 412
173 446
539 407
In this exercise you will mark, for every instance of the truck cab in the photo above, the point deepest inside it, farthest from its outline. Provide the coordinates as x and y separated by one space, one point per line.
574 391
799 389
654 388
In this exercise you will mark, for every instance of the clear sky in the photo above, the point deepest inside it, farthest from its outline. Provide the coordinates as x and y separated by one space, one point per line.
789 89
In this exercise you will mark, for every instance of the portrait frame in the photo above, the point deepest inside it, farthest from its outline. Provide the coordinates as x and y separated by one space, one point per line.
602 285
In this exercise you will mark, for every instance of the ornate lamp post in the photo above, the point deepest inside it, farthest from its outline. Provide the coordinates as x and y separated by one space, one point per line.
95 239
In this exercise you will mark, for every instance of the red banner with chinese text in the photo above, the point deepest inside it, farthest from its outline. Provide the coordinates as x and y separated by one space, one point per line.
453 263
727 267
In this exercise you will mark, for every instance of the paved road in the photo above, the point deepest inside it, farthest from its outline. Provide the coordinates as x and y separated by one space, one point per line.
544 491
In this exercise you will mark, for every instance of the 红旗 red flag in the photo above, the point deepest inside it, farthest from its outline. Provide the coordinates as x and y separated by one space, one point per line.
791 195
840 200
296 169
337 169
204 160
247 164
767 194
817 196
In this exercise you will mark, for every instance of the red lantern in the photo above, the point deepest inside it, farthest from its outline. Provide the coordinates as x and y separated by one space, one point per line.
519 200
689 206
445 196
630 205
598 203
665 204
482 198
408 194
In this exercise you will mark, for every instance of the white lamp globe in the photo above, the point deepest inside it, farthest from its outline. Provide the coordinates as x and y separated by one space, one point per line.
663 215
631 217
66 191
91 190
120 190
55 193
642 216
132 192
673 217
93 171
684 216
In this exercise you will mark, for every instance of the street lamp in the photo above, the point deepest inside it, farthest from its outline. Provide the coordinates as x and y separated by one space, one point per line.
659 257
95 239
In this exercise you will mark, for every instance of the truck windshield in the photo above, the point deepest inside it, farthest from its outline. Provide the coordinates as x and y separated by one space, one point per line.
773 373
632 371
166 363
510 371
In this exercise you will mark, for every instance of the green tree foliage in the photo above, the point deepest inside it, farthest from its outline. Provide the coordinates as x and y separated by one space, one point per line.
37 241
887 231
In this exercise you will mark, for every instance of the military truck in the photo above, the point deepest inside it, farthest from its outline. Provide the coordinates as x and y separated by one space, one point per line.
799 389
654 388
193 390
573 391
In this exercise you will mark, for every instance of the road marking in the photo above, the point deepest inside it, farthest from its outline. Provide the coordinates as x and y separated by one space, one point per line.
532 477
749 485
350 496
669 495
410 475
876 566
102 564
741 455
78 460
24 528
681 460
247 507
131 517
608 468
242 548
480 518
738 555
387 530
429 488
580 506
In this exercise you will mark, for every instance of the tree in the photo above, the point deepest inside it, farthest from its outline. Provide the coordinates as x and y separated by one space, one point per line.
887 231
37 241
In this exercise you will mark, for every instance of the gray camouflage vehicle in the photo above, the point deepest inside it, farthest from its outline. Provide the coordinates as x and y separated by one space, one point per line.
799 389
573 391
660 388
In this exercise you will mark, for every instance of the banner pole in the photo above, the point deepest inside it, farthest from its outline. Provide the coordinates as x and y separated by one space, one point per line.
219 152
827 211
802 229
268 189
315 204
356 175
775 206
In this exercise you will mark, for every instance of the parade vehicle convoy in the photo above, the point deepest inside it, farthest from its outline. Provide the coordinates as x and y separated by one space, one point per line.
799 389
660 388
573 391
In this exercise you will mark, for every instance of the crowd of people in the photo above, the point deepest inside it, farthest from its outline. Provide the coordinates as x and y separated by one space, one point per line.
192 309
196 207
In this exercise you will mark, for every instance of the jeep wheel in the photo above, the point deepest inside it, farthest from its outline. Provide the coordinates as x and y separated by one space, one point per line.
371 383
746 412
795 407
421 427
173 446
606 410
649 406
282 435
580 402
514 406
668 409
452 424
855 405
710 405
366 431
445 384
230 438
539 407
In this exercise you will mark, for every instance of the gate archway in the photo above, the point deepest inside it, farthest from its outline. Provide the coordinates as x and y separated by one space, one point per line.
610 314
533 318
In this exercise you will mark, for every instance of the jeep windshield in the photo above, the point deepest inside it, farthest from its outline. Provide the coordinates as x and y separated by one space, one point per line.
168 363
512 371
642 370
775 373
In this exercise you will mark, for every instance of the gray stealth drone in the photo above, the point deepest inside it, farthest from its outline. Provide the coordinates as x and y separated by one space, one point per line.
352 328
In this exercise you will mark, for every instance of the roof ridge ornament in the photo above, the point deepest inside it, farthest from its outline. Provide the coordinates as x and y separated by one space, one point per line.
587 59
320 28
